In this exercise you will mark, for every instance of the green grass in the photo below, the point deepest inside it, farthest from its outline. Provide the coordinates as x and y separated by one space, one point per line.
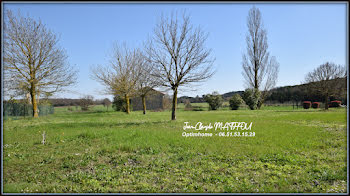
99 151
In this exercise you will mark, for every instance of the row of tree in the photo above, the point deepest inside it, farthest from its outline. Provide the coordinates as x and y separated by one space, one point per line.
175 56
250 97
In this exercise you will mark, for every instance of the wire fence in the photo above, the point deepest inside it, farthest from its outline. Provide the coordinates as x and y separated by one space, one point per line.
22 109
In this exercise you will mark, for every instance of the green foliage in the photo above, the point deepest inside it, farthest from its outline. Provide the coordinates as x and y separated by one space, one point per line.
251 98
119 104
235 101
214 100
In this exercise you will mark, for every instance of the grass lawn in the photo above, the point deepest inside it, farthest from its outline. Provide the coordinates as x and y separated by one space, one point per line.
106 151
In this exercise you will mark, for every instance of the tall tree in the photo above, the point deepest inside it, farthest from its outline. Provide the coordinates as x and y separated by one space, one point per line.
259 70
324 80
179 54
33 60
122 75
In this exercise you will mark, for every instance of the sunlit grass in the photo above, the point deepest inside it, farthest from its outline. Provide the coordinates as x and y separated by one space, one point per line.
106 151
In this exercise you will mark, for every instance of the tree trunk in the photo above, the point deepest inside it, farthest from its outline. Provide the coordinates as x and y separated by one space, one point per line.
173 112
256 91
144 104
127 100
34 103
326 103
256 86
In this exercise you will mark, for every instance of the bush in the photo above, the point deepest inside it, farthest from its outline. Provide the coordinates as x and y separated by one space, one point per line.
214 100
235 101
251 98
119 103
307 104
86 102
335 104
316 105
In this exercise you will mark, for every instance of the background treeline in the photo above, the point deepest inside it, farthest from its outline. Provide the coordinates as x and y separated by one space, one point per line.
296 93
197 99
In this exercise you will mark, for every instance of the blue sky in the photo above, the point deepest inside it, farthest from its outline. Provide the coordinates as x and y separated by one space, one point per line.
301 36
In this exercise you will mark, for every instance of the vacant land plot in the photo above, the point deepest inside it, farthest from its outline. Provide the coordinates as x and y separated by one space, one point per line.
99 151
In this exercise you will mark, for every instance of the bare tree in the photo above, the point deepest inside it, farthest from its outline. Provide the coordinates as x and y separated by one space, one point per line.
146 82
259 70
122 74
85 102
106 103
325 80
179 54
33 60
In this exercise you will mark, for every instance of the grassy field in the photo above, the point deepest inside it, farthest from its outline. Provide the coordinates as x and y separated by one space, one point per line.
106 151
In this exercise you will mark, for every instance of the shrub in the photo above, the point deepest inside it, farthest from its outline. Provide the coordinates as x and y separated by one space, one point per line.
335 104
251 98
315 105
119 103
86 102
214 100
307 104
235 101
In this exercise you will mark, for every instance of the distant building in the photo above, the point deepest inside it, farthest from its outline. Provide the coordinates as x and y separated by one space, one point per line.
154 101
